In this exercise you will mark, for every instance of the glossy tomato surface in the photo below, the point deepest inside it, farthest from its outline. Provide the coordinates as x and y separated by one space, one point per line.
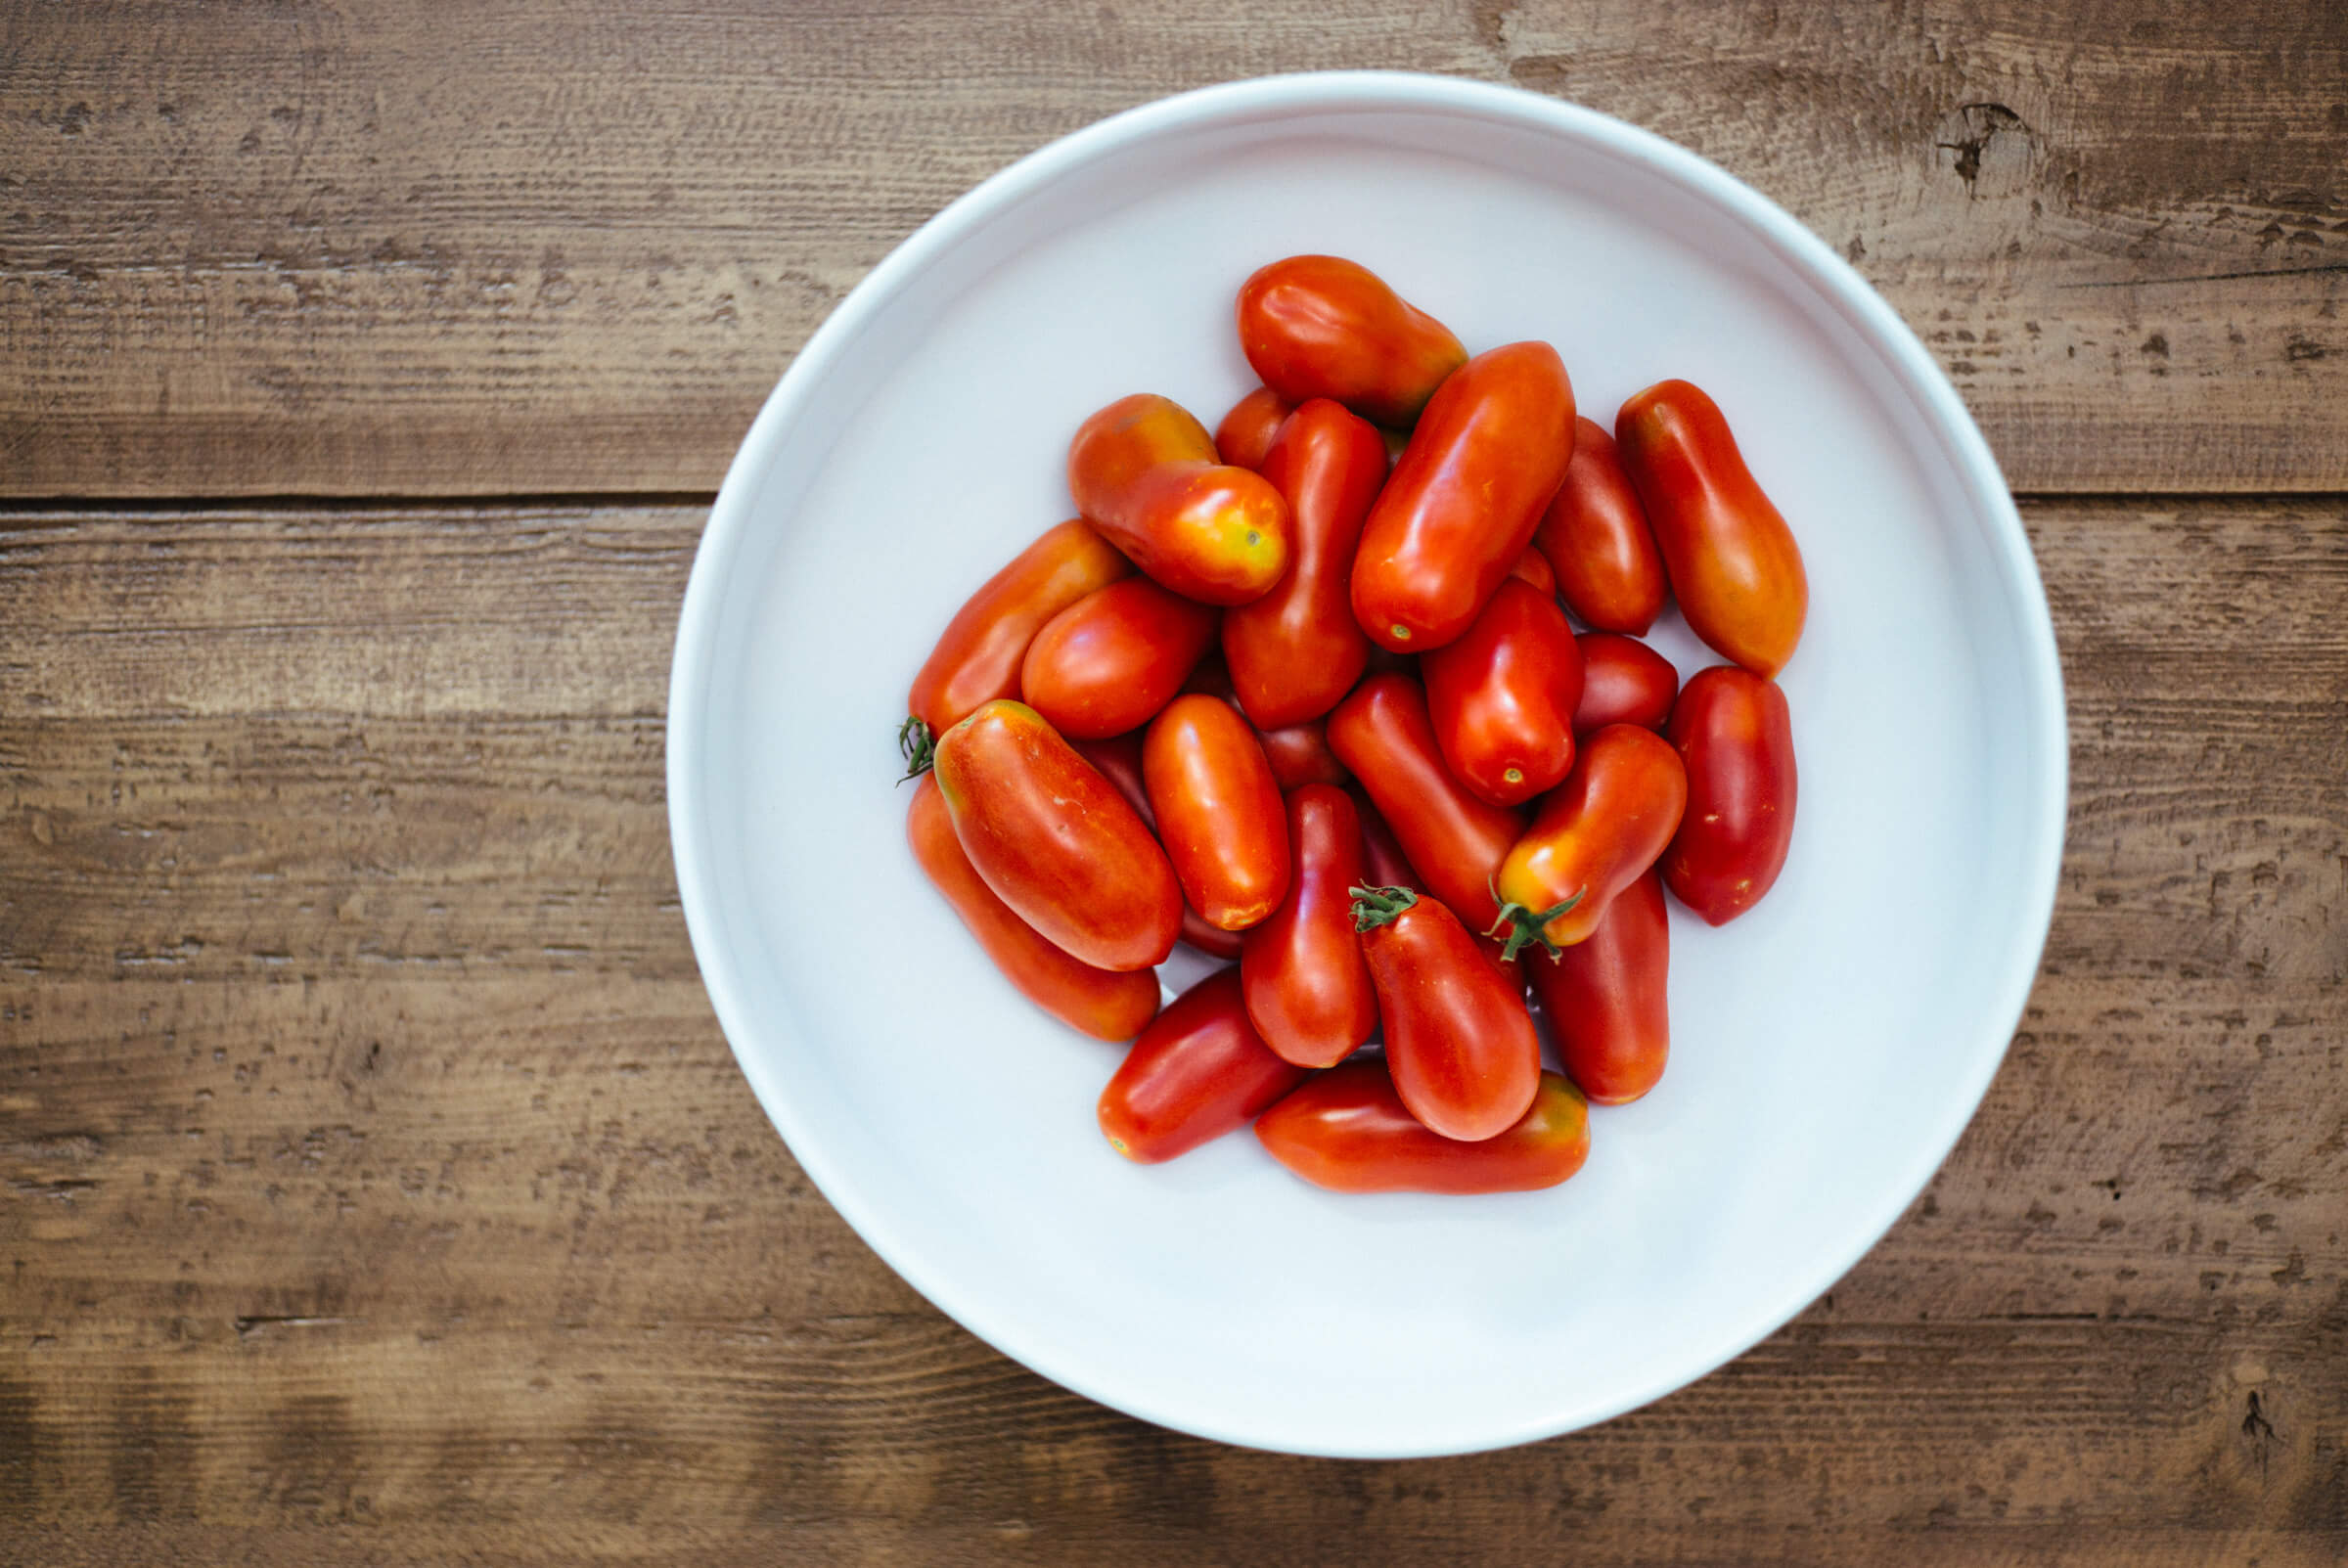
1735 735
1218 809
1347 1130
1119 760
1325 326
1144 472
1595 535
1110 661
1246 431
1198 1071
1307 987
1457 842
1623 682
1502 696
1460 1042
977 657
1594 834
1300 754
1607 997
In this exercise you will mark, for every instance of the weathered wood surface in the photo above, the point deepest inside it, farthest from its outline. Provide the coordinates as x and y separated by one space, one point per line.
533 248
376 1186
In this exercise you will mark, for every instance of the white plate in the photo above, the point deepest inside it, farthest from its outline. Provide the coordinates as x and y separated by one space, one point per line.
1827 1048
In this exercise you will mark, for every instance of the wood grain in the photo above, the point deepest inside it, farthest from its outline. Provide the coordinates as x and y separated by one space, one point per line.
374 1184
530 247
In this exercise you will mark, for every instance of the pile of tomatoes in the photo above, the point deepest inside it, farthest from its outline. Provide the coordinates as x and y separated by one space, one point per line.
1267 696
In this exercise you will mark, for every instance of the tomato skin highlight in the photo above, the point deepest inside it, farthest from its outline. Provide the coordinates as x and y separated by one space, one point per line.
1293 652
1055 841
1607 999
1306 986
977 657
1502 696
1325 326
1219 811
1110 661
1144 474
1596 536
1732 561
1459 1044
1246 431
1106 1003
1593 835
1735 734
1623 682
1463 503
1198 1071
1348 1131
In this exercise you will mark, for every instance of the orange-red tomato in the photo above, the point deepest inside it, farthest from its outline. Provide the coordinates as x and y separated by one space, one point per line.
1606 998
1219 811
1325 326
1307 989
1144 474
1198 1071
1623 682
1593 835
1119 760
1533 568
1300 755
1731 560
977 659
1733 731
1107 1004
1107 663
1502 696
1459 1044
1348 1131
1595 533
1246 431
1466 498
1293 652
1055 840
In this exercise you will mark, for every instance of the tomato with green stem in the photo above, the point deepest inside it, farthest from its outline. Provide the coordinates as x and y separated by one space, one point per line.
1348 1131
1593 835
1218 809
1608 1000
1144 474
1502 696
1735 735
1307 988
1110 661
1460 1042
1325 326
1197 1071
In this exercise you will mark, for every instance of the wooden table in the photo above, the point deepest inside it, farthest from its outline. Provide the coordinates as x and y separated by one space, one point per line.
374 1184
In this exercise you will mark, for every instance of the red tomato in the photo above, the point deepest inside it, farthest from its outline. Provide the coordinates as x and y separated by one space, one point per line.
1732 561
1297 651
1323 327
1502 696
1348 1131
1119 759
1595 835
1459 1041
1607 999
1055 840
1144 474
1736 736
1466 497
1219 811
1307 989
1623 682
1107 663
1382 852
1595 533
1198 1071
1533 568
977 659
1300 755
1383 734
1246 431
1107 1004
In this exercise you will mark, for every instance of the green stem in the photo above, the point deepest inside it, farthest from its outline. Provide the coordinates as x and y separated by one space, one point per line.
1374 907
918 745
1527 926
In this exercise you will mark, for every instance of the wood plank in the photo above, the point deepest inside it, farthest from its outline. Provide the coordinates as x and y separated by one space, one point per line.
530 249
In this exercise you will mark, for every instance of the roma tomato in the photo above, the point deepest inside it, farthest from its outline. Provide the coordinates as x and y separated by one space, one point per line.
1733 730
1466 497
1300 755
1144 474
1219 811
1325 326
1106 1003
1459 1041
1055 840
1731 560
1107 663
1382 852
1607 999
1297 651
1119 760
1383 734
1198 1071
1623 682
1503 696
977 659
1533 568
1595 533
1348 1131
1595 835
1307 989
1246 431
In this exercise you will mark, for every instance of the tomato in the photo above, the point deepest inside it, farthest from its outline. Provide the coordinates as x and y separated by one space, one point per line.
1459 1041
1246 431
1383 734
1382 852
1055 840
1108 661
1213 677
1502 696
1297 651
1144 474
1733 730
1219 811
1731 560
1300 755
1595 835
1198 1071
977 659
1323 327
1119 760
1107 1004
1466 497
1347 1130
1607 999
1595 533
1533 568
1307 989
1623 682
